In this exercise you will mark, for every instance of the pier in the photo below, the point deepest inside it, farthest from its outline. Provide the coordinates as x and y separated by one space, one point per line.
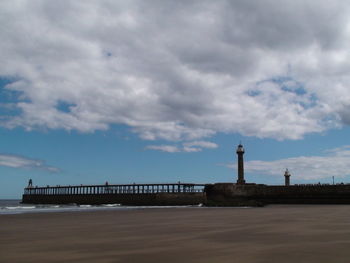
115 189
126 194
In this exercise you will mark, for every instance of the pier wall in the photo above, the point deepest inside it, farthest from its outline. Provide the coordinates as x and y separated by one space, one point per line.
156 199
227 194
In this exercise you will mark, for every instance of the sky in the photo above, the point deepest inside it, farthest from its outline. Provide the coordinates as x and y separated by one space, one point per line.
164 91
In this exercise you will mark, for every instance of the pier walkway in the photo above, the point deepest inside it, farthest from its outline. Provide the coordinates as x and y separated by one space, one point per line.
116 189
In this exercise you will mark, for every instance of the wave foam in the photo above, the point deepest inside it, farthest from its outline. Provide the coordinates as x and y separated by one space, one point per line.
19 207
111 205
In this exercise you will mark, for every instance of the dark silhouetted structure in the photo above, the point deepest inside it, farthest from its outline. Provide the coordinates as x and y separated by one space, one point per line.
251 194
240 152
286 178
127 194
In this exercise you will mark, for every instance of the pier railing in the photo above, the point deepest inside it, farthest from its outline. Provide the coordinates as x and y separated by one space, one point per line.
115 189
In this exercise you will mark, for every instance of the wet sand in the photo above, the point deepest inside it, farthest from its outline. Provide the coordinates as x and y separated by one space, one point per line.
270 234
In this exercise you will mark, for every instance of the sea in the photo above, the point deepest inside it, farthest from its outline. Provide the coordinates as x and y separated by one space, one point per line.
15 207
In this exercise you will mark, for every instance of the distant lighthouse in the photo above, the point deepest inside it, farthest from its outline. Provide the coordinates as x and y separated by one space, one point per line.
240 152
286 178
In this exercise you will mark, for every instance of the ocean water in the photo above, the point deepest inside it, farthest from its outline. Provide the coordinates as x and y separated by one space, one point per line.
15 207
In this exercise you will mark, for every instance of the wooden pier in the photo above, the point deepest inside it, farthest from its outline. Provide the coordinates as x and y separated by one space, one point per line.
125 194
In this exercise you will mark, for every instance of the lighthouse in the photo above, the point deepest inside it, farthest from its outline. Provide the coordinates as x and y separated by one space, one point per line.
286 178
240 152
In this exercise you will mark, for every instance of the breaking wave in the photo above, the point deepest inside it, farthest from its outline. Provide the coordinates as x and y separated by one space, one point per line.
15 207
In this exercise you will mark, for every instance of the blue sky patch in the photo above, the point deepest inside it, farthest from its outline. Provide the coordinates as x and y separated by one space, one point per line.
287 84
253 93
64 106
6 95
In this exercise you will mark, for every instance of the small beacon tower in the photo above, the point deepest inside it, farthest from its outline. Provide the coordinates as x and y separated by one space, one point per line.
240 152
286 178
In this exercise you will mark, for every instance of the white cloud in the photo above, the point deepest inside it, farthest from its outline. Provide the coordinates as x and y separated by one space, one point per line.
202 144
191 149
163 148
181 70
15 161
195 146
335 162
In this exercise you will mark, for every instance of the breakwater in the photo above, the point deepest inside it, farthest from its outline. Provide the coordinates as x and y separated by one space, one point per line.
228 194
127 194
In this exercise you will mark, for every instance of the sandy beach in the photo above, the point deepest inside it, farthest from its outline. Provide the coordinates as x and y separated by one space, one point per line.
269 234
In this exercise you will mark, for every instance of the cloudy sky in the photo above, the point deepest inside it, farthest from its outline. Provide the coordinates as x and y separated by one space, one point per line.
162 91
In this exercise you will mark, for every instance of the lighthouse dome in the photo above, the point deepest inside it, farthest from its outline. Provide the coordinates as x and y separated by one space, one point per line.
240 149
